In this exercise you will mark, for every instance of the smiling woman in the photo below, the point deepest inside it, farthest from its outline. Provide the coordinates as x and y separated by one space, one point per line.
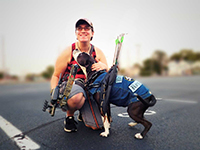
84 33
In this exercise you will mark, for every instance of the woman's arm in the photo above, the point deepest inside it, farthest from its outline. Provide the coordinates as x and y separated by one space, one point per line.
60 66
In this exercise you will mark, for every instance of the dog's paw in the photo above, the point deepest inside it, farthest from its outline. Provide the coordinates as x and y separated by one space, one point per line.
104 134
138 136
132 124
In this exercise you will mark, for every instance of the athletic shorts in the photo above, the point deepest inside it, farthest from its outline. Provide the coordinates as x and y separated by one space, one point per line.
77 89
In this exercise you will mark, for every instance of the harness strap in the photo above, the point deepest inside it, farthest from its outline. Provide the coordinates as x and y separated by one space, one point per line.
92 110
106 86
90 86
94 76
91 50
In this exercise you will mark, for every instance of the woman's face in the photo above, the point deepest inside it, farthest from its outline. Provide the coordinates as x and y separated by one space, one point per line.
84 33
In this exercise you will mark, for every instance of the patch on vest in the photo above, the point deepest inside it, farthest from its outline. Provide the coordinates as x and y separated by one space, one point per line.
128 78
119 79
135 85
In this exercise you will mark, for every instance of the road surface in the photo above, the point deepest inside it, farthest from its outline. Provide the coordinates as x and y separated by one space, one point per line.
175 118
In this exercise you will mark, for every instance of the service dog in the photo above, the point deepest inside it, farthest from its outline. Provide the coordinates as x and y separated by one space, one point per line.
125 92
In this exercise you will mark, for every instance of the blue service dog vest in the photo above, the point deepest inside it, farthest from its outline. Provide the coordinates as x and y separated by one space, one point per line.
123 89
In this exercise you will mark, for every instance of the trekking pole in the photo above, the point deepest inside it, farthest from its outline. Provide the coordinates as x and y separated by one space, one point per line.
109 79
118 47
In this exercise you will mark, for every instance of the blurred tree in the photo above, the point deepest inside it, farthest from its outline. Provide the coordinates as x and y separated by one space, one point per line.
160 56
1 75
186 54
146 69
150 67
155 65
161 59
197 56
175 56
30 77
48 72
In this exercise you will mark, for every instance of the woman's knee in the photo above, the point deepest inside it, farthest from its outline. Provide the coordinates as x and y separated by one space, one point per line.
76 99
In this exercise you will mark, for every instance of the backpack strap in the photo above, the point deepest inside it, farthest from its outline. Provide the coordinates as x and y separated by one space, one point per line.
106 85
91 50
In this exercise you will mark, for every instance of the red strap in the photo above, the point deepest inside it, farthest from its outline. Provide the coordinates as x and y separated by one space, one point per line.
95 119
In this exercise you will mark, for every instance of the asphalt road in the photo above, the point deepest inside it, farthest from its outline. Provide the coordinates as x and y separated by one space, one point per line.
175 118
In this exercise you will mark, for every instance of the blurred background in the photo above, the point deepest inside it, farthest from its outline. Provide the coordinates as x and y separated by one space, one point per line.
162 40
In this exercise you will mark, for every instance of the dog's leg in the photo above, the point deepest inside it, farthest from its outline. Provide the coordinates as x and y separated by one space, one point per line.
106 125
105 118
109 114
136 112
147 125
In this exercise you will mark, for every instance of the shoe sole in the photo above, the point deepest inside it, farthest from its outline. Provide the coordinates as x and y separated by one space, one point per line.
80 120
68 130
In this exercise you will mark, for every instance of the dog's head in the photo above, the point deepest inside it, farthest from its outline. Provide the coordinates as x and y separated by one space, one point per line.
85 60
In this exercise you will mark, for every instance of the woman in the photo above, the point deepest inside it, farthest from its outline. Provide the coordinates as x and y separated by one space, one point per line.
84 33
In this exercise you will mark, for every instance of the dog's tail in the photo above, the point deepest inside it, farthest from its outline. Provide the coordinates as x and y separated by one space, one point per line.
151 103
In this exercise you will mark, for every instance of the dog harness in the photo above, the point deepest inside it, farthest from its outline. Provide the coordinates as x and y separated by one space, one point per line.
80 74
122 91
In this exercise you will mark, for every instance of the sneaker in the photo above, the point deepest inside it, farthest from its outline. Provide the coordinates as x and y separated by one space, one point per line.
79 117
70 124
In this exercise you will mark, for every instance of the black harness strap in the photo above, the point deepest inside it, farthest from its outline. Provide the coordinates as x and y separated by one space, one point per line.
91 50
106 86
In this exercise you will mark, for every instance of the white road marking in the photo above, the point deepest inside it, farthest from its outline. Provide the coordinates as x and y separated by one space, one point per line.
178 100
22 141
148 112
123 115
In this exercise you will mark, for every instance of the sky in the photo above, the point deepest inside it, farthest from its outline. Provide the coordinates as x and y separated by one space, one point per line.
34 32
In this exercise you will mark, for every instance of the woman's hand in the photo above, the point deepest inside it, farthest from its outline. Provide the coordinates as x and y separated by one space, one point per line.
98 66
